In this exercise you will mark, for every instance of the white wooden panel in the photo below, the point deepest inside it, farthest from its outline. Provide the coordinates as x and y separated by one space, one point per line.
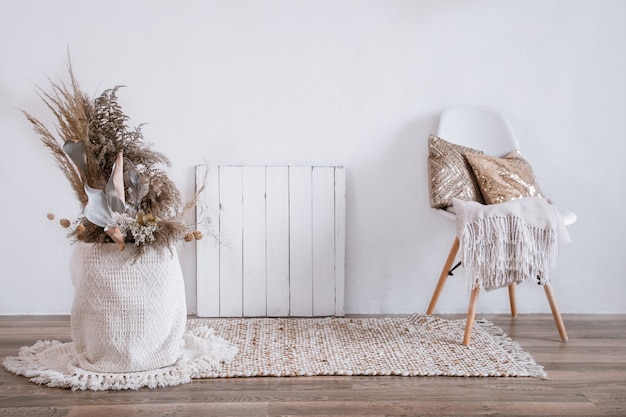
300 243
282 241
277 232
323 240
254 287
231 254
207 249
340 239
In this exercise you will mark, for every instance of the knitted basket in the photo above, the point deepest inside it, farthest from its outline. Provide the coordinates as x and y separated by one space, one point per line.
129 312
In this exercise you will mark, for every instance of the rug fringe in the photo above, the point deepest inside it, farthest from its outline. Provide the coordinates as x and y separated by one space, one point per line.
452 331
514 349
52 363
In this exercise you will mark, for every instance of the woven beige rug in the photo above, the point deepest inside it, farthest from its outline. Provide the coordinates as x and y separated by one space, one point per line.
411 346
251 347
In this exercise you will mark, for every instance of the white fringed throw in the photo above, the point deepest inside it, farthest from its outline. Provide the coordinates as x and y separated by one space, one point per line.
516 241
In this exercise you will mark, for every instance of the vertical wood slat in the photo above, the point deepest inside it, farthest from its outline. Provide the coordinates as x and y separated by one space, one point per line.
300 242
282 250
277 242
254 267
323 240
340 240
231 254
207 249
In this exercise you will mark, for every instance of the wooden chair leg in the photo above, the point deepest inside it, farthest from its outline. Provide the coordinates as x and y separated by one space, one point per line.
471 315
555 312
444 276
512 300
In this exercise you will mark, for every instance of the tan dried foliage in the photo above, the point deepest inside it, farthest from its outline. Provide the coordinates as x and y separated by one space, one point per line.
102 126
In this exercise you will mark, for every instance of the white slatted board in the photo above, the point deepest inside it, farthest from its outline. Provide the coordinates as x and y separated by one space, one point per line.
282 241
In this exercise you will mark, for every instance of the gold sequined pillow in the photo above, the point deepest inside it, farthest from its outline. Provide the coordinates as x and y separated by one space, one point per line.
504 179
451 175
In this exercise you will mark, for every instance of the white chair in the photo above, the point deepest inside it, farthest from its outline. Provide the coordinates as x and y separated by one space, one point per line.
486 129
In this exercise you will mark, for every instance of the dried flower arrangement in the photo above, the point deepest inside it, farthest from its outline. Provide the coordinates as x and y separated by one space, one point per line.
125 195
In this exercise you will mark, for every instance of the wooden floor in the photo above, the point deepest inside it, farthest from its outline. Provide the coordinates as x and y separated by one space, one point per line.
587 377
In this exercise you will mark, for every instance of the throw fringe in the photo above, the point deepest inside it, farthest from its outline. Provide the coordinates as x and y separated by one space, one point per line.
500 250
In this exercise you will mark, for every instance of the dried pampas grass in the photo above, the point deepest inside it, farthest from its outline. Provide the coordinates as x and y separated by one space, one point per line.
101 127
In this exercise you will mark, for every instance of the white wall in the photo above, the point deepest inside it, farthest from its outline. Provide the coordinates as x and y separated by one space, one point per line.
355 83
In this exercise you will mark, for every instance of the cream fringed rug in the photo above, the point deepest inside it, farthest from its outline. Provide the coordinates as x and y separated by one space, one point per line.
410 346
57 364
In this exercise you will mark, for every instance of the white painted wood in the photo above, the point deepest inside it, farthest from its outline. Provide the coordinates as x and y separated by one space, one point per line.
207 249
340 239
282 249
254 266
231 253
277 241
323 240
300 242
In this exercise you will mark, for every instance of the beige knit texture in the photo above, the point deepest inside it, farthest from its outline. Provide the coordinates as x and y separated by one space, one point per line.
129 312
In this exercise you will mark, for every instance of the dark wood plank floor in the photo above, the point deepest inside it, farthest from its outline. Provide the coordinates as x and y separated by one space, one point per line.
587 378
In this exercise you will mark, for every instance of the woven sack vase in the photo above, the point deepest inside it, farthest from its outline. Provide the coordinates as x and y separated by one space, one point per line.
129 312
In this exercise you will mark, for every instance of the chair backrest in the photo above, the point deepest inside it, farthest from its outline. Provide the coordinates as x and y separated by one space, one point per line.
483 128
